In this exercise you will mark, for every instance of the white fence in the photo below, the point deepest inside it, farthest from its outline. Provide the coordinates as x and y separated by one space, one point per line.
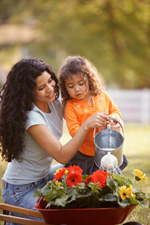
133 104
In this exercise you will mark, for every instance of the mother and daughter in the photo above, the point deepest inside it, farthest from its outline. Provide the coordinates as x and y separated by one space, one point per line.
31 122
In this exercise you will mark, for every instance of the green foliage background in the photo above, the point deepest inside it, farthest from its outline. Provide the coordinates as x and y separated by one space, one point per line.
113 34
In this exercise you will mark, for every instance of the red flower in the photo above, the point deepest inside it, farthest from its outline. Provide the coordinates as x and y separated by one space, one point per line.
88 180
98 176
59 173
74 168
101 177
73 179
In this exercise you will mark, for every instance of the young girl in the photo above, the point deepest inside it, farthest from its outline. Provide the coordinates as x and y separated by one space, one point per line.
83 95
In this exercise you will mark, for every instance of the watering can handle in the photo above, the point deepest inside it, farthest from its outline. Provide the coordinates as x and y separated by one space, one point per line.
116 120
110 127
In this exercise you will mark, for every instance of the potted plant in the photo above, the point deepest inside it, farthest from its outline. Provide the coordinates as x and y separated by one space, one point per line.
108 198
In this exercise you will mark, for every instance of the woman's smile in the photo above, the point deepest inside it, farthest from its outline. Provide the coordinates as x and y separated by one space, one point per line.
51 95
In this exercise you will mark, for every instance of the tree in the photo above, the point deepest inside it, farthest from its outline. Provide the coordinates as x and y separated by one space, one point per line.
114 35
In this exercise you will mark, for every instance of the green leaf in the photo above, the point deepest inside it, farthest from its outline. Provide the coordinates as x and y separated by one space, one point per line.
110 197
61 201
134 201
37 193
122 180
123 204
111 183
94 187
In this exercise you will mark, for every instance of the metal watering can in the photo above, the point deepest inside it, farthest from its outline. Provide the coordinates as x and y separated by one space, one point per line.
110 142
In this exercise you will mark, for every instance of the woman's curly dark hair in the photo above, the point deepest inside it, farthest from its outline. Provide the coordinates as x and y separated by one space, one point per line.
79 65
16 99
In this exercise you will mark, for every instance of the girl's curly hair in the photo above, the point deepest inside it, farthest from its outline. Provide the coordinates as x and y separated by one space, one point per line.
79 65
16 99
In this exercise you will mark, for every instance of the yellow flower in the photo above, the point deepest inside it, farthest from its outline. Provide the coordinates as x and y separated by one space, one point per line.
66 172
139 175
57 183
57 171
124 192
131 194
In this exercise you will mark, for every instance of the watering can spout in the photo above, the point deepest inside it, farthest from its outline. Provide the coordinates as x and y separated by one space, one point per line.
108 126
109 163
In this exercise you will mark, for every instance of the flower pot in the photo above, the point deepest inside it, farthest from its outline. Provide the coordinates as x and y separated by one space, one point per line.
84 216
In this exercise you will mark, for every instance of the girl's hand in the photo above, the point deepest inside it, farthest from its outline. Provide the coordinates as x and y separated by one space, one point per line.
97 120
116 125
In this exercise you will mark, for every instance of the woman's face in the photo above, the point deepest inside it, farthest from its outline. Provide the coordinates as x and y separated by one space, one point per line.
45 89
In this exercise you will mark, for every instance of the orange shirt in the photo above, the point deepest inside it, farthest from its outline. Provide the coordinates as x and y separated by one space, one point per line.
77 111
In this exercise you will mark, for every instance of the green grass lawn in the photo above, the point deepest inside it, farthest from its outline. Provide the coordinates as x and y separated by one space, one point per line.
137 149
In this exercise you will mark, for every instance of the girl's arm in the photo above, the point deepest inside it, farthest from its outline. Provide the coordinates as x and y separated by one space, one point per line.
53 147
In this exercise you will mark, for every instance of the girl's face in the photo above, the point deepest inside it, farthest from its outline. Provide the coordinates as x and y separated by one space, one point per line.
77 87
45 89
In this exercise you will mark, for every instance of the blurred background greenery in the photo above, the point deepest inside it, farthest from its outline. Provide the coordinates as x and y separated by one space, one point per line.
113 34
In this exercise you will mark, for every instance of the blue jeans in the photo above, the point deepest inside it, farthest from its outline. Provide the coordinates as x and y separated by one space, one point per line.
21 195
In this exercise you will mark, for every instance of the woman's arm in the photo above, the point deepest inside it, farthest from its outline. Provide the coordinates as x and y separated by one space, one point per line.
76 117
53 147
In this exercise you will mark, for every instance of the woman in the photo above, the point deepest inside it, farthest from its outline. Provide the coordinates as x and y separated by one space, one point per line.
30 129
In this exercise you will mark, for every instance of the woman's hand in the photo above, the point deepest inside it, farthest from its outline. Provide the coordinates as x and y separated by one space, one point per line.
97 120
